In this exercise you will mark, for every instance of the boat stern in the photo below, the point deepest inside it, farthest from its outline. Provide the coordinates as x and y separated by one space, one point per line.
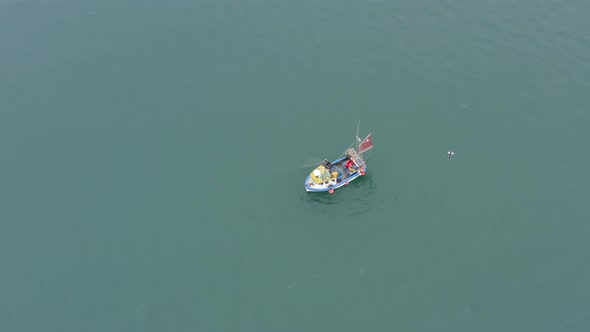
320 179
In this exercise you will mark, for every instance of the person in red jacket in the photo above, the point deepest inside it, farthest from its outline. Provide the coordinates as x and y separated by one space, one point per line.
348 165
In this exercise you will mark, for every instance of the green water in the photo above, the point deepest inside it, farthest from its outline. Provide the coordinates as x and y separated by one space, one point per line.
153 156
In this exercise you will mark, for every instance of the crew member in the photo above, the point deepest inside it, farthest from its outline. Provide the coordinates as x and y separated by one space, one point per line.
348 165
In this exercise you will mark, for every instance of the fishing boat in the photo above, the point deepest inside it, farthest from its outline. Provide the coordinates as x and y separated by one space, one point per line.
331 175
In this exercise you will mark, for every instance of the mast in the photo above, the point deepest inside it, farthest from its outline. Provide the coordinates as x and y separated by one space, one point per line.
358 140
356 154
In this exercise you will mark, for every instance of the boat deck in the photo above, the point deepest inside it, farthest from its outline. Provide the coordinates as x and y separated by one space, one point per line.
340 167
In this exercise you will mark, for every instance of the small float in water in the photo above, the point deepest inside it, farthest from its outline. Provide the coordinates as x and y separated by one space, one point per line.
331 175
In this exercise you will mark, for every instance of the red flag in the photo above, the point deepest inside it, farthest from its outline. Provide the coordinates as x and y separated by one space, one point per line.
366 144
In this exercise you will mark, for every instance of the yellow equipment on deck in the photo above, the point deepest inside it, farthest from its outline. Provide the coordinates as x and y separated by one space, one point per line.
321 175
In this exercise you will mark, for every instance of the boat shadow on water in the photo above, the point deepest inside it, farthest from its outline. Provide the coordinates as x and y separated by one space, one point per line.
355 199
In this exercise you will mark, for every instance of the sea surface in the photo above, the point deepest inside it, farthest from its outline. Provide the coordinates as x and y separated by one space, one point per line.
153 155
